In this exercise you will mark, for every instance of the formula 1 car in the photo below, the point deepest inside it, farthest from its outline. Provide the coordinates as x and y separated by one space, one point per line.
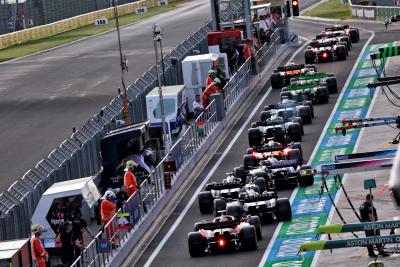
322 78
267 206
326 49
281 76
342 38
344 30
274 127
229 188
306 90
282 173
277 150
224 234
290 110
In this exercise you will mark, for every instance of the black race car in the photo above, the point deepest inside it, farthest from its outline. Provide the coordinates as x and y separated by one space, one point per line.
324 50
274 127
281 76
344 30
224 234
290 110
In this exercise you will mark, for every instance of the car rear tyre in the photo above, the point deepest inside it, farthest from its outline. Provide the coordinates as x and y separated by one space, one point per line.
197 244
300 122
331 83
240 173
255 137
249 161
276 81
354 35
265 115
248 238
294 154
283 210
322 95
219 205
294 132
309 57
305 114
341 52
255 221
234 211
205 202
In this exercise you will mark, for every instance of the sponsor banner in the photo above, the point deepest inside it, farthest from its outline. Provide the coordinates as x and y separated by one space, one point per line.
310 208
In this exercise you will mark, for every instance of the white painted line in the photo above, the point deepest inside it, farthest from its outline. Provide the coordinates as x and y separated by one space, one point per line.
213 169
292 197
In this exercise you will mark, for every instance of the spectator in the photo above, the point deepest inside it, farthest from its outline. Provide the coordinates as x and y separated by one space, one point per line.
247 51
39 254
129 178
139 160
210 77
118 181
79 224
69 242
121 197
197 106
211 89
262 25
107 210
368 214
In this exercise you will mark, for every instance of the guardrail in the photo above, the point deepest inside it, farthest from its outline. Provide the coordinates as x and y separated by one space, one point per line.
183 152
79 155
380 13
54 28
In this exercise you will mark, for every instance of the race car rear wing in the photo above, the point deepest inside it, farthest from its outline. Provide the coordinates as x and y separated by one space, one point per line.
218 225
282 164
256 199
267 148
293 67
325 44
308 76
306 85
222 186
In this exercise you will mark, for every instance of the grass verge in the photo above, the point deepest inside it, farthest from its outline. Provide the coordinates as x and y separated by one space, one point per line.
34 46
331 9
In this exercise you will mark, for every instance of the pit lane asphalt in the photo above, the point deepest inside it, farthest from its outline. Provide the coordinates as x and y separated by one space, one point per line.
44 95
175 251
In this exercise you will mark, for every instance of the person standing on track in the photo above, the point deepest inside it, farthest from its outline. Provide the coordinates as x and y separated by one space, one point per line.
39 254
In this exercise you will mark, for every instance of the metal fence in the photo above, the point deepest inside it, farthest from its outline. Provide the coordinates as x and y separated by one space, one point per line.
380 13
183 151
79 155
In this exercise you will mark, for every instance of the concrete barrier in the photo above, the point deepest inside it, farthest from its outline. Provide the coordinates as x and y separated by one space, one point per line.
10 39
380 13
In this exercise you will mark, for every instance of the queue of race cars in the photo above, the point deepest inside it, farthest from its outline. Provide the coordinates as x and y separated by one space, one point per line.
248 196
333 43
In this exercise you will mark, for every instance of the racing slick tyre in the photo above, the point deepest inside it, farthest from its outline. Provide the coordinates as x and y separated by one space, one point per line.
309 56
206 202
310 104
294 132
283 210
306 180
219 205
248 238
249 161
345 45
331 83
197 244
255 137
260 182
265 115
276 81
346 40
240 173
250 151
305 114
255 221
299 121
254 124
354 35
297 145
294 154
235 211
341 52
322 95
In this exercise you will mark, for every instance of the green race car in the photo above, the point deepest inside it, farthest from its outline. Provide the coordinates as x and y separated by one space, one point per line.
306 90
322 78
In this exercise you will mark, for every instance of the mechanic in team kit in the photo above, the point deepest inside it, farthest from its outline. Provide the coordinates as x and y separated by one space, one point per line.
368 214
39 254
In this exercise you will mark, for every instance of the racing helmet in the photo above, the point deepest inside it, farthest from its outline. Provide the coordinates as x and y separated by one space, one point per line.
251 192
110 195
36 229
291 63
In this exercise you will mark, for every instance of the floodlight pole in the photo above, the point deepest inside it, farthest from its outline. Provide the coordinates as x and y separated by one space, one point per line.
123 64
157 37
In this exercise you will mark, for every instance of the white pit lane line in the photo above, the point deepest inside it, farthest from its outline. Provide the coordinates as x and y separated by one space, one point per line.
275 235
213 169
